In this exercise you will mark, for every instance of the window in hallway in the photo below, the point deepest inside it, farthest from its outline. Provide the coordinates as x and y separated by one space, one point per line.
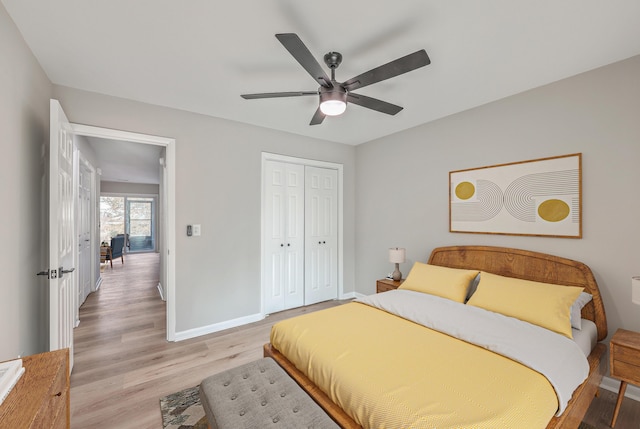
132 215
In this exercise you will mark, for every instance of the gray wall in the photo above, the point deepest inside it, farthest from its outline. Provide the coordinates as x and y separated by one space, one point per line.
84 147
218 177
128 188
402 197
24 120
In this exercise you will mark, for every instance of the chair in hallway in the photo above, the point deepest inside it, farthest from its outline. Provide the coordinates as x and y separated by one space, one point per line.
117 249
126 240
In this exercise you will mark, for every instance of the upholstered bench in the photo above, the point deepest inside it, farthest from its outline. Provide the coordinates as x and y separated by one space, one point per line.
259 395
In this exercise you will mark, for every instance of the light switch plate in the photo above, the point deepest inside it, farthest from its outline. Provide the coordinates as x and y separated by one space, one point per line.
196 230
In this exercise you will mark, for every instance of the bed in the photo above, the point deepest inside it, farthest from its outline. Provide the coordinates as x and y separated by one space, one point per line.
507 262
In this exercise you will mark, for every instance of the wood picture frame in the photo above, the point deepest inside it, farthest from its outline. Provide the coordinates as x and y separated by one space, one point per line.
539 197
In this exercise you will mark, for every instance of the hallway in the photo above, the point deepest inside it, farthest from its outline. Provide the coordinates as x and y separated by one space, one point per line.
121 332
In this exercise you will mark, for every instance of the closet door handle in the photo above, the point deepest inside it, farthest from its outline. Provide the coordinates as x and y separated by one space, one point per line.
288 244
281 245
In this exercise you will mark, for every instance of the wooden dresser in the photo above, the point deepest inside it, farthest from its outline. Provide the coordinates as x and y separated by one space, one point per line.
40 399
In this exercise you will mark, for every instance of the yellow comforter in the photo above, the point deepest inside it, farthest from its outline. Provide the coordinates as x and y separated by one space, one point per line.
387 372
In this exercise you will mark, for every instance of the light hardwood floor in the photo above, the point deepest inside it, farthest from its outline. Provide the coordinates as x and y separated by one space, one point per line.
123 363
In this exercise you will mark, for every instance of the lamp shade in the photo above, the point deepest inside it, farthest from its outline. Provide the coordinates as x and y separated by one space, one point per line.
333 107
333 101
397 255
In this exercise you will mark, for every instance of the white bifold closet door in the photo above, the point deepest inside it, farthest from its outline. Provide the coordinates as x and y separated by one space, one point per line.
300 236
284 236
321 235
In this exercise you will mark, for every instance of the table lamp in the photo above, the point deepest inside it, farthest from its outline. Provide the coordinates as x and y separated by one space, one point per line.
396 256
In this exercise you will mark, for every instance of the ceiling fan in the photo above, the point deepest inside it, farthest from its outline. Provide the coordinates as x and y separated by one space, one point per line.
335 95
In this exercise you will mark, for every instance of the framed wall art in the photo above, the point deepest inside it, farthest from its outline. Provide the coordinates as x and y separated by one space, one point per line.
541 197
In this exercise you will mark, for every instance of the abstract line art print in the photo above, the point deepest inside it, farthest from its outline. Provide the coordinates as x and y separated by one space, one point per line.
540 197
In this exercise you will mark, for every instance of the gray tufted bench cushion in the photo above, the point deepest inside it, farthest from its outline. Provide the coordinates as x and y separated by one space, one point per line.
259 395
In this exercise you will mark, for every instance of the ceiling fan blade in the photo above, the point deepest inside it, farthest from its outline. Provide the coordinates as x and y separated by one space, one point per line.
373 103
278 94
301 53
318 117
394 68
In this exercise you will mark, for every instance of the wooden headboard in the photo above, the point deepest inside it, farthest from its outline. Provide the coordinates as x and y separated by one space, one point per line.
524 264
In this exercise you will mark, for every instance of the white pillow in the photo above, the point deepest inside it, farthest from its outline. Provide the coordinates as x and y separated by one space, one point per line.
576 309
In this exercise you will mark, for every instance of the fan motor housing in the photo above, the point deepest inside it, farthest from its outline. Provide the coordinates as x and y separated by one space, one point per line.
336 92
333 59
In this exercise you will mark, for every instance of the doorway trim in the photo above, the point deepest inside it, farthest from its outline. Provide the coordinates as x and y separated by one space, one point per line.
168 244
267 156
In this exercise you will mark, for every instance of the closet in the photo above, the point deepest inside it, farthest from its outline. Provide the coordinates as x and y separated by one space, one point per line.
300 235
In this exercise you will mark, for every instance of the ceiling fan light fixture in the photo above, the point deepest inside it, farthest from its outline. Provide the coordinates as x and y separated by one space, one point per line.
334 94
333 103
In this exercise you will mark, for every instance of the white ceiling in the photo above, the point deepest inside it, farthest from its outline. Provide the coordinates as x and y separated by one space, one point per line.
122 161
200 55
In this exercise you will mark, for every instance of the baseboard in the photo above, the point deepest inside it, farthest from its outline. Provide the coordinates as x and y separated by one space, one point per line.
351 295
216 327
633 392
161 291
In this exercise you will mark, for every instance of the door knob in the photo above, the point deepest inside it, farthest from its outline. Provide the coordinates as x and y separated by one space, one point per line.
63 271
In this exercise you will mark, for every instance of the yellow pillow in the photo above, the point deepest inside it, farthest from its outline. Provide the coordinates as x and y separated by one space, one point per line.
450 283
543 304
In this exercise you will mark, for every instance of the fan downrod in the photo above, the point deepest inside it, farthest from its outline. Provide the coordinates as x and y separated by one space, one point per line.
333 60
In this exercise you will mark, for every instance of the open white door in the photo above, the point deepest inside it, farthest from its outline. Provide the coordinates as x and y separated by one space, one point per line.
61 232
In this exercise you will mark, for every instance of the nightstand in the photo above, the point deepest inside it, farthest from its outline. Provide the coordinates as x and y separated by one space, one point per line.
625 363
384 285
